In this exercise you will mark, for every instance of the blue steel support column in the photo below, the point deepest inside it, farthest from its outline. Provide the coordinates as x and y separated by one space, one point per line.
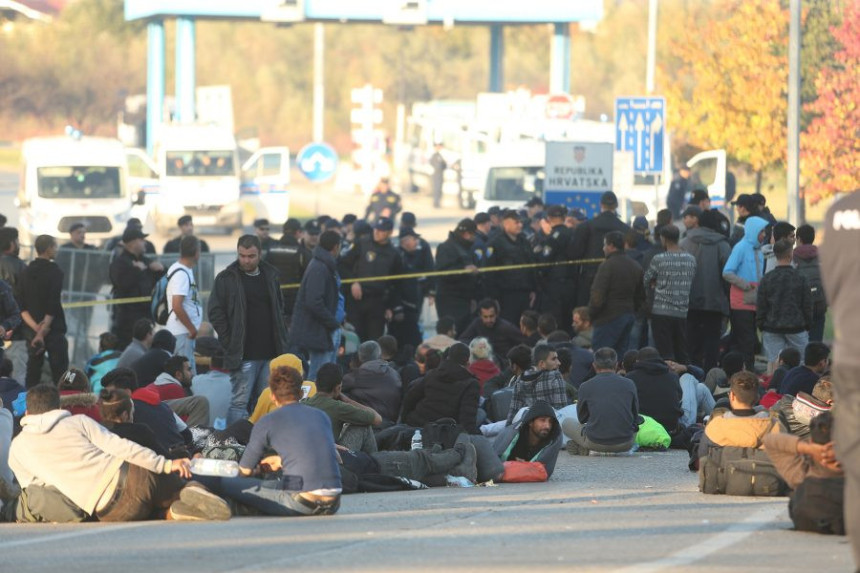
497 58
559 74
154 80
185 69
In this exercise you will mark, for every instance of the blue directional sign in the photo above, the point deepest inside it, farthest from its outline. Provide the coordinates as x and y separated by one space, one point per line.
318 161
640 127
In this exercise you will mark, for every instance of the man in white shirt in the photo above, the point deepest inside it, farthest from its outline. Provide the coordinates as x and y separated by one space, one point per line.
183 301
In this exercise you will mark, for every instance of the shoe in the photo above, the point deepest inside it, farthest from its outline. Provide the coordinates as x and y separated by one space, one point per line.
200 504
575 449
467 468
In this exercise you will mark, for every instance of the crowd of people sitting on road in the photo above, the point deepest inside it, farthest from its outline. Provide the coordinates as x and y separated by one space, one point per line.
315 376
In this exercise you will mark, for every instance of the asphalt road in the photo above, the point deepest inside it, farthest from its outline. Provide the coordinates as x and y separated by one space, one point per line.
633 514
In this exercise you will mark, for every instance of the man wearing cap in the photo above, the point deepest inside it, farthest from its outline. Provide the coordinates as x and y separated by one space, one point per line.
407 219
746 207
588 242
574 218
261 229
678 190
83 266
114 245
516 289
415 259
495 213
701 200
186 228
383 203
534 206
310 237
483 224
132 275
456 294
371 303
291 259
641 231
560 280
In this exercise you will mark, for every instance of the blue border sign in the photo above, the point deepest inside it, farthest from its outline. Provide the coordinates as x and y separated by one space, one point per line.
640 127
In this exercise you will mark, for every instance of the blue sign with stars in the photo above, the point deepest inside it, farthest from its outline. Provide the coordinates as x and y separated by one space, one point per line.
640 127
585 201
318 162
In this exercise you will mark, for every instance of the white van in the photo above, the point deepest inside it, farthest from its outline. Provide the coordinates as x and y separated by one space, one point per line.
513 174
67 180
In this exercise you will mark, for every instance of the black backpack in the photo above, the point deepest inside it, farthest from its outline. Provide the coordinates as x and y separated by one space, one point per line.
443 432
817 505
812 271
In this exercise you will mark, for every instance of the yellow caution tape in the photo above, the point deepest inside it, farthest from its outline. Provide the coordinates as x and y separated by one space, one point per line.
139 299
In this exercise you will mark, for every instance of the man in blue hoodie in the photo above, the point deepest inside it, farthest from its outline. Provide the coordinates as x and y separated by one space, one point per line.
743 271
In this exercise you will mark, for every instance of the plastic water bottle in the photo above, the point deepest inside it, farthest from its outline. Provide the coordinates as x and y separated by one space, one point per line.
210 467
416 440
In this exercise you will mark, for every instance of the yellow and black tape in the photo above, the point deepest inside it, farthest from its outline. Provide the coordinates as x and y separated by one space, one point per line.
453 272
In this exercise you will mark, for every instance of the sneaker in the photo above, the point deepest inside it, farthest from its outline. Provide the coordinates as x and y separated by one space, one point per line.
467 468
575 449
204 503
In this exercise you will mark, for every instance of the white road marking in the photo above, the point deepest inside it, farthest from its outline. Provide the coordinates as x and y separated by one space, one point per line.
67 535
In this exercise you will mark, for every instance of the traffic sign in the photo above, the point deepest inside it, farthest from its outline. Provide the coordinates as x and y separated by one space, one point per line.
317 161
577 174
640 127
560 106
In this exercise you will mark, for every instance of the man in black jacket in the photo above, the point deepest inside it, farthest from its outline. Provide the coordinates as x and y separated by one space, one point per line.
186 228
415 259
658 388
42 312
559 281
449 391
587 242
456 294
246 309
291 260
316 319
516 289
371 303
132 275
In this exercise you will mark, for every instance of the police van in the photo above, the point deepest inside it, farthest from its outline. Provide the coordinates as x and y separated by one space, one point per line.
74 179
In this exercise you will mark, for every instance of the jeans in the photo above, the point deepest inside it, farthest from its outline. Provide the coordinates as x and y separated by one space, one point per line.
775 342
185 347
268 497
317 358
248 382
696 401
614 334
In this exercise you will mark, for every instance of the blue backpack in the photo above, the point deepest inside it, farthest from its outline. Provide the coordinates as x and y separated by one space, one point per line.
158 306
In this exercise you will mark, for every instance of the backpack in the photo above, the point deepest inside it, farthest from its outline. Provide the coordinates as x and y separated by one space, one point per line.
812 271
732 470
443 431
817 505
158 306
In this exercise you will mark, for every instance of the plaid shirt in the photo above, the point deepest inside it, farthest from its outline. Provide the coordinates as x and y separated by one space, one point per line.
538 385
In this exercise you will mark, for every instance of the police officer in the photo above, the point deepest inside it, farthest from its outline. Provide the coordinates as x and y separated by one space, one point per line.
370 303
310 238
456 294
383 203
481 246
516 289
559 281
261 229
415 259
291 260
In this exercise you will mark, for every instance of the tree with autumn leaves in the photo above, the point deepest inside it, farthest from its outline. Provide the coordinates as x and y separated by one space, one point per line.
727 86
830 159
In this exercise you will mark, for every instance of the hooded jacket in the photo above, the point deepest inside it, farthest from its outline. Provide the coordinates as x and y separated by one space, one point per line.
711 250
745 266
449 391
77 402
807 263
227 312
168 387
76 455
376 384
507 440
659 392
315 311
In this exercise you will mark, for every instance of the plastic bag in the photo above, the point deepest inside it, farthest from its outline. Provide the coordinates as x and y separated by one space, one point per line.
524 472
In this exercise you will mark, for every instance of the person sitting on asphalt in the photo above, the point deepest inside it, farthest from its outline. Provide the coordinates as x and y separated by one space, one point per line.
658 388
117 411
350 421
108 477
502 334
542 382
481 363
142 334
215 386
446 333
375 383
795 412
816 360
106 360
582 327
305 454
529 327
535 438
173 385
151 363
607 410
745 424
264 402
449 391
76 394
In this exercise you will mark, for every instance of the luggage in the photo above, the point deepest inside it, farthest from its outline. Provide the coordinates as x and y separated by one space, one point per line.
739 471
817 505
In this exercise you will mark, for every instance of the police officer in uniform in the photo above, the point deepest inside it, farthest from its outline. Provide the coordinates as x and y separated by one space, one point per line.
516 289
559 281
481 245
370 303
416 259
457 294
291 260
310 238
383 203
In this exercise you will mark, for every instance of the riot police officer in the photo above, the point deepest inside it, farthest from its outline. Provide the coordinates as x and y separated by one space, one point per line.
516 289
291 260
559 281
